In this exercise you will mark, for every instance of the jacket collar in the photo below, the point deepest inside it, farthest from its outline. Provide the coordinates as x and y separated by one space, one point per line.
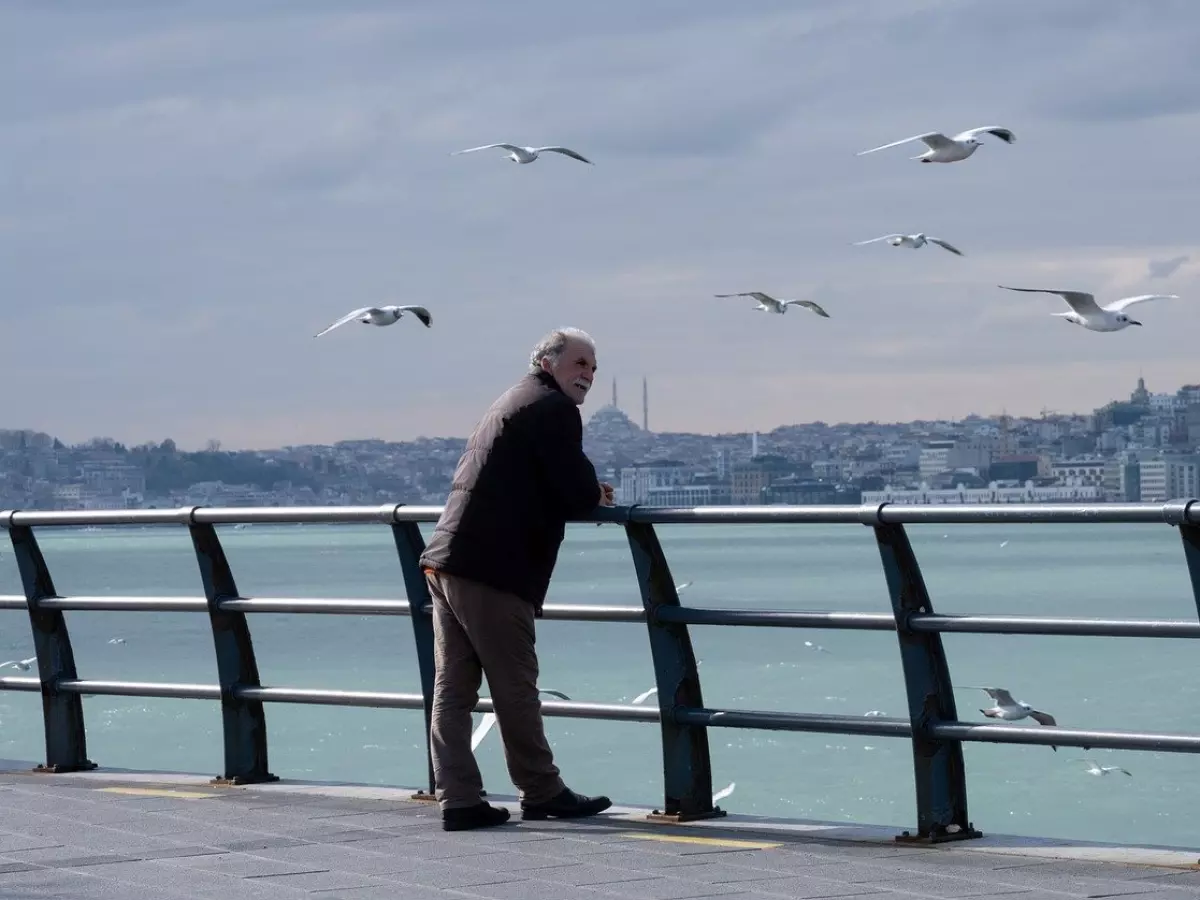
547 379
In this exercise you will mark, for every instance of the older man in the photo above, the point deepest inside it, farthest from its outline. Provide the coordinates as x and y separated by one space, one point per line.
488 565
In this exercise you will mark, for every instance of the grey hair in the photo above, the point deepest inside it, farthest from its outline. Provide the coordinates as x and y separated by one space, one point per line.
552 345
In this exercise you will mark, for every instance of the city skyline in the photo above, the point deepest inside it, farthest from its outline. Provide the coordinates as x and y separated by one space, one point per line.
637 417
189 192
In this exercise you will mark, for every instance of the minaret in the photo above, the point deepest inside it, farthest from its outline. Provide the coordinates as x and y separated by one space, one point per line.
614 392
754 445
645 406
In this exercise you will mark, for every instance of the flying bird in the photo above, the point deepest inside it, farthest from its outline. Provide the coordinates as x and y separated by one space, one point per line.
1095 768
22 664
767 303
1010 710
944 149
489 719
1086 312
380 315
526 155
915 241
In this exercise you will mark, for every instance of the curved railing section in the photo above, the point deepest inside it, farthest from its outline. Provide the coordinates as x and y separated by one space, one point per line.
932 723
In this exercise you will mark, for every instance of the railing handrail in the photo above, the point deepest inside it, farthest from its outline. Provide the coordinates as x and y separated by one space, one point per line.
932 724
1173 512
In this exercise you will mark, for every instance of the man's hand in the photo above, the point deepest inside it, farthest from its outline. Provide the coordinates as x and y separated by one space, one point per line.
606 494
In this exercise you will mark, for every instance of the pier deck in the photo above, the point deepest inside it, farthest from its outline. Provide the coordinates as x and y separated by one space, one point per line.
115 834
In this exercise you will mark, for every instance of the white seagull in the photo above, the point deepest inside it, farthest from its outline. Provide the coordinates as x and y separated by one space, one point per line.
380 315
1094 768
767 303
680 588
1010 710
944 149
724 792
489 719
526 155
915 241
644 696
1086 312
22 664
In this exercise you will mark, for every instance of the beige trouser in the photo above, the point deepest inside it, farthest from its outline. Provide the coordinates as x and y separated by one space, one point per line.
479 630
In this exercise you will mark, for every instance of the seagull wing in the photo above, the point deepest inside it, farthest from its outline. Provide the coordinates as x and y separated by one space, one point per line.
29 662
1080 301
565 151
995 130
934 139
512 147
420 312
559 694
1042 718
873 240
944 245
1000 695
485 725
757 295
348 317
808 304
645 695
1118 305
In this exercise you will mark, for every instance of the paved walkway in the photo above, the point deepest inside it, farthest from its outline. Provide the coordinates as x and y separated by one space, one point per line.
125 836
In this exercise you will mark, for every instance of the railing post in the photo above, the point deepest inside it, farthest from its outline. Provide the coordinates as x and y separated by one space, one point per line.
243 722
938 766
409 547
1176 513
62 713
687 765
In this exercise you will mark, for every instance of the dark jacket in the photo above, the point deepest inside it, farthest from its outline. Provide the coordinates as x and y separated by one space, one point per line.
522 476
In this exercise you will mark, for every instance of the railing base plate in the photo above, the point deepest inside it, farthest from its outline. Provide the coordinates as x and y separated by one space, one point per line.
941 837
662 818
86 766
223 781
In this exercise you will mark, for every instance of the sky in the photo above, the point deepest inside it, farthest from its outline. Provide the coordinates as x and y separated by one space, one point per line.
190 190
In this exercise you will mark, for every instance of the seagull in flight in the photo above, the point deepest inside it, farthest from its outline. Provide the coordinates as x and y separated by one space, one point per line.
767 303
1086 312
944 149
644 696
22 664
915 241
1010 710
526 155
1095 768
489 719
380 315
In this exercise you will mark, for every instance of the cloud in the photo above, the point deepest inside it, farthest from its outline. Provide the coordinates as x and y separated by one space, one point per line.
189 191
1165 268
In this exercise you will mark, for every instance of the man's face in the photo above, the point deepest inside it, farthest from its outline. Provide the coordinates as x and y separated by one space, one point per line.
574 370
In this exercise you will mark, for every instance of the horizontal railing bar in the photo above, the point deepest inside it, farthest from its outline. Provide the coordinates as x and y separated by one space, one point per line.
363 607
175 691
12 601
376 699
1157 628
884 726
1066 737
571 612
125 604
291 515
1174 512
777 618
980 514
9 683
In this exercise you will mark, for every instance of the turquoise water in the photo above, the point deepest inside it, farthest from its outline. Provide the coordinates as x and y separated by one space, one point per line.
1134 571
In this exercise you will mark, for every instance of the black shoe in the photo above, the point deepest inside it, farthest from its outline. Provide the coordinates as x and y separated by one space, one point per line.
567 805
481 815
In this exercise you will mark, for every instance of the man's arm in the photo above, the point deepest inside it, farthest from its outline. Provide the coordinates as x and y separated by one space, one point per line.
568 472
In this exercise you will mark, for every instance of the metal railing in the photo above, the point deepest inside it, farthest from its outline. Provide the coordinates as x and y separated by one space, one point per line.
932 723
